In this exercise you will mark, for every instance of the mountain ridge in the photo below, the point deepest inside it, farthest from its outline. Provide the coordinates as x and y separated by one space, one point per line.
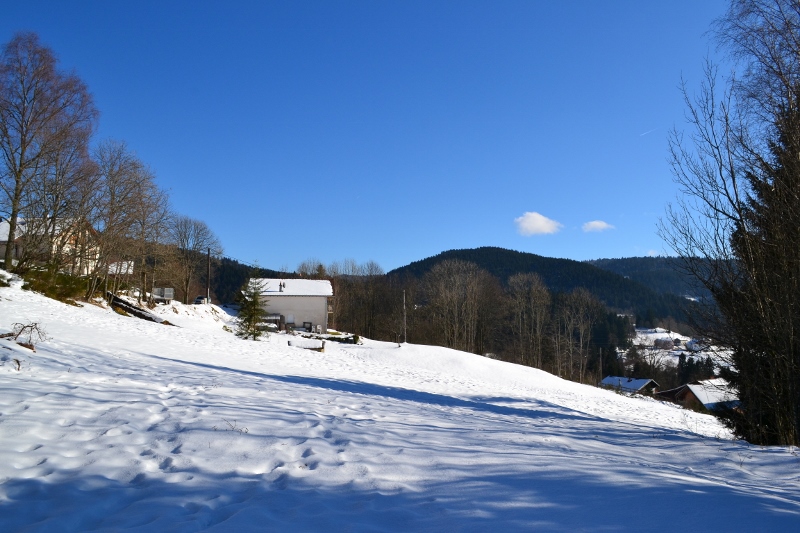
621 293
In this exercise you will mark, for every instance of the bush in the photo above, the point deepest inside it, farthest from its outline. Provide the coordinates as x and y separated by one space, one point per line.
58 286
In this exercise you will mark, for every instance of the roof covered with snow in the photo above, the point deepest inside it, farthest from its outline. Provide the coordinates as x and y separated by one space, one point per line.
295 287
713 392
627 384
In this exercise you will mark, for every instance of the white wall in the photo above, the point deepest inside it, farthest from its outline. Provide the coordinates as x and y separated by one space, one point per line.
312 309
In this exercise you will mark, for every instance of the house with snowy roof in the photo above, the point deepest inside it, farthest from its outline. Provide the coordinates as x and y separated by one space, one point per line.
297 303
711 394
641 386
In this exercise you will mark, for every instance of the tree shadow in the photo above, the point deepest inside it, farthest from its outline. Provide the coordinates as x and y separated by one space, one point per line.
549 410
549 499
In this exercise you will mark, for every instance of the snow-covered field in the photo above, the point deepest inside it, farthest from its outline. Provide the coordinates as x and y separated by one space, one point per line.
117 424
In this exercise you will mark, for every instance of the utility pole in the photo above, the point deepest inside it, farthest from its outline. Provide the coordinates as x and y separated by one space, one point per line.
208 278
405 332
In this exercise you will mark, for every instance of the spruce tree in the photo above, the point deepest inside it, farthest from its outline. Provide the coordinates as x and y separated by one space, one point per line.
251 309
737 224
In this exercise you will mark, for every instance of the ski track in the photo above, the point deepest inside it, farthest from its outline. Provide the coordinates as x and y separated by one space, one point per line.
121 424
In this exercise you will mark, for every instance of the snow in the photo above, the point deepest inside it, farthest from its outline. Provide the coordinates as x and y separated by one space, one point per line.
648 336
296 287
645 339
712 392
118 424
625 384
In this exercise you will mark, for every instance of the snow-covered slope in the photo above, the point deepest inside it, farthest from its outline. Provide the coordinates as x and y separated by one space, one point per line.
117 423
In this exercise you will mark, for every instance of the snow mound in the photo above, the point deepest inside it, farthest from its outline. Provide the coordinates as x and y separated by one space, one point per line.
199 316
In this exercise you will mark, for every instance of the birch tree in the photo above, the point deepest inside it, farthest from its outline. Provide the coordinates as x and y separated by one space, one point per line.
41 108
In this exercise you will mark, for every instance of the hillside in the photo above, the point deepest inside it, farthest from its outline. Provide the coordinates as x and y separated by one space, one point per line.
230 275
562 275
120 424
662 274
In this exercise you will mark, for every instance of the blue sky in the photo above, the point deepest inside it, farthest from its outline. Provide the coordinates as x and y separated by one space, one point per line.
393 131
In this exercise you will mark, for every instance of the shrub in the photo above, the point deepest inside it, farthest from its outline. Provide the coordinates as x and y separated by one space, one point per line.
55 285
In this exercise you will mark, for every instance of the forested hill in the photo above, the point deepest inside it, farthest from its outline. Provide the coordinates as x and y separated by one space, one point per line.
662 274
561 275
230 275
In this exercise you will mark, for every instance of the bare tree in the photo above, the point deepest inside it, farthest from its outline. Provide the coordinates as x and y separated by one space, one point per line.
120 179
530 301
63 206
311 268
192 238
568 313
358 289
41 108
455 291
588 310
150 217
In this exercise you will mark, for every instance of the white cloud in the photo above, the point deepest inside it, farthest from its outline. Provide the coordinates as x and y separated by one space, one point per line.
597 225
532 223
652 253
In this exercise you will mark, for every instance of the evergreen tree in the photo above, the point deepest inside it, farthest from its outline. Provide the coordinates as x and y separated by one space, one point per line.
760 302
737 224
251 309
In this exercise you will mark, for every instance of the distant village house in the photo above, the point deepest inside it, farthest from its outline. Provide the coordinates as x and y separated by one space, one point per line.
641 386
710 394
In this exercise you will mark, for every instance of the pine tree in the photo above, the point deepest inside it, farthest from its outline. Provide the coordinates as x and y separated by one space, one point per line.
760 303
737 225
251 309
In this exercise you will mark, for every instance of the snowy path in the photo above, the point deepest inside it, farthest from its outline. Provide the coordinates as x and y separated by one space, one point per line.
120 424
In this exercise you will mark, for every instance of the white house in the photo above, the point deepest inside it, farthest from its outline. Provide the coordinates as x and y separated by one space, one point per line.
303 303
74 239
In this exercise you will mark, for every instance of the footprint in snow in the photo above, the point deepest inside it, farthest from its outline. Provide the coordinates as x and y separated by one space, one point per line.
281 482
166 464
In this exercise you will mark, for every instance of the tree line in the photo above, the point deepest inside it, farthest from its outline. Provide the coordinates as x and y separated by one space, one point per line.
91 210
459 305
617 291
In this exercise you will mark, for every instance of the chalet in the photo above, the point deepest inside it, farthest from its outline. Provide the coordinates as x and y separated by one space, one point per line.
298 303
75 240
710 394
641 386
